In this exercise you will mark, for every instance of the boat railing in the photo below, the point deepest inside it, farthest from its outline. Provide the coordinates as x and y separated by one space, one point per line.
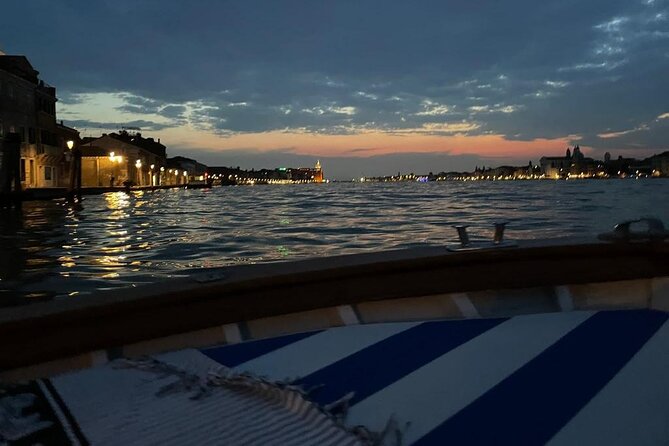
541 271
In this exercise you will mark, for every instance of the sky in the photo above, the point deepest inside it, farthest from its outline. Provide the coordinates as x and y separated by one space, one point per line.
369 87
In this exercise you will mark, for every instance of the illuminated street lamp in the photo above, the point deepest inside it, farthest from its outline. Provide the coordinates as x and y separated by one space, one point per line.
138 165
115 160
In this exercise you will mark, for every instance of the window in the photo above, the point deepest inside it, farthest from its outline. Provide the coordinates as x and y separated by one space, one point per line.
31 135
48 138
47 173
23 169
22 132
2 129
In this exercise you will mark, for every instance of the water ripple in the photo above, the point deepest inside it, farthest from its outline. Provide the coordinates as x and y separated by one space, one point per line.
121 240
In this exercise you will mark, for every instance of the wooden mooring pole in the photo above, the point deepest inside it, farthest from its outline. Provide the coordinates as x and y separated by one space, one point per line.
74 189
10 171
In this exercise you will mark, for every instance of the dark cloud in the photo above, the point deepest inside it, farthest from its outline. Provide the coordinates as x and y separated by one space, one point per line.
86 125
173 111
524 69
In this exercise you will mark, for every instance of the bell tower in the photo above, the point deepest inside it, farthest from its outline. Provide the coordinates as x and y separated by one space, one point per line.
318 174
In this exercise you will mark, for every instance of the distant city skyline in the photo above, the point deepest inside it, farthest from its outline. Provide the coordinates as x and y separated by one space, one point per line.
370 87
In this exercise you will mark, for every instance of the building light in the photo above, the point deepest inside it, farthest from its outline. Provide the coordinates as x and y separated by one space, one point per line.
185 173
111 156
152 166
138 164
70 144
162 169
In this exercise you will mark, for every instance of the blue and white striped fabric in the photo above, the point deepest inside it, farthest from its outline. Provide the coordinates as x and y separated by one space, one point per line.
560 378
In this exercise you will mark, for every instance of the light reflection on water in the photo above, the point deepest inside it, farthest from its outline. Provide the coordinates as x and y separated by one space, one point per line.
120 240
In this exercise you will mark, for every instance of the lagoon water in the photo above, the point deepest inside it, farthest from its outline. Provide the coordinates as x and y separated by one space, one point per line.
117 240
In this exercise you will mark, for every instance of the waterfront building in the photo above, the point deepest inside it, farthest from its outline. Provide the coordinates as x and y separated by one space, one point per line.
118 158
307 174
182 170
502 172
318 174
619 167
28 108
659 164
280 175
582 166
67 139
572 164
225 176
556 166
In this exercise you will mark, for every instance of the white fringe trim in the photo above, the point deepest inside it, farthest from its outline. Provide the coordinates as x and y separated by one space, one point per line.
291 397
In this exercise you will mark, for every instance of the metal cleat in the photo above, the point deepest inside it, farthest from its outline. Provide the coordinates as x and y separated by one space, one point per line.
462 235
622 232
499 232
467 245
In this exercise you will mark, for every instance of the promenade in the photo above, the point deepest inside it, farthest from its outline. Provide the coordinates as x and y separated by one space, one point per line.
52 193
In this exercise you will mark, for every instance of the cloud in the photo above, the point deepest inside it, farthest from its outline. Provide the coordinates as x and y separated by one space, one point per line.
431 108
173 111
653 134
446 128
86 125
615 134
522 69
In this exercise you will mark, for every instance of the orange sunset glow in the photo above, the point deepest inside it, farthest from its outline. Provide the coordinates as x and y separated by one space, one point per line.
373 143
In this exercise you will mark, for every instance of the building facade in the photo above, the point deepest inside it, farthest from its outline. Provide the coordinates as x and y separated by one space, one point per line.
28 108
182 170
308 174
660 164
119 158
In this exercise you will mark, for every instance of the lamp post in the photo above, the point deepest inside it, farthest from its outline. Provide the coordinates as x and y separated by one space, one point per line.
75 172
69 158
138 165
112 177
116 161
